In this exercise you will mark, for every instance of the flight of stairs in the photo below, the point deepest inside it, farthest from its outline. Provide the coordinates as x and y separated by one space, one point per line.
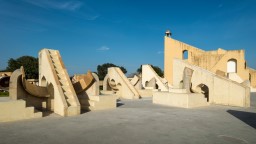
13 110
64 82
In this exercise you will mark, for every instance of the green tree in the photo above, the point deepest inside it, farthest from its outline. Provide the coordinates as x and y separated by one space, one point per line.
157 69
29 63
102 70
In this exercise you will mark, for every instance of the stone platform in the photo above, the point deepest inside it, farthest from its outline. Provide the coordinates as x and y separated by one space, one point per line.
184 100
139 122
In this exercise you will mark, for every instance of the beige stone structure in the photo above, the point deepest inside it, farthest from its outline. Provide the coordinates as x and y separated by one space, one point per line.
151 80
142 85
21 89
13 110
181 95
221 76
52 73
117 82
231 64
89 96
55 91
217 89
183 100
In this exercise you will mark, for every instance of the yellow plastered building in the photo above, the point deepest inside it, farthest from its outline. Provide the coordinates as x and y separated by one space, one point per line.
227 63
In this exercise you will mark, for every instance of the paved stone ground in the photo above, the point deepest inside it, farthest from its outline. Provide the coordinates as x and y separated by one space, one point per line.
139 122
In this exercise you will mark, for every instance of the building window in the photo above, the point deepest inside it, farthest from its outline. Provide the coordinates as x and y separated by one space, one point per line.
232 66
185 55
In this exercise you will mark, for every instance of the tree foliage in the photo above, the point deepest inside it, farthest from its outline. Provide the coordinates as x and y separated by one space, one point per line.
29 63
102 70
157 69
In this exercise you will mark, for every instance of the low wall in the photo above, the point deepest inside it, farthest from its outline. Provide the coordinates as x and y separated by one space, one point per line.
183 100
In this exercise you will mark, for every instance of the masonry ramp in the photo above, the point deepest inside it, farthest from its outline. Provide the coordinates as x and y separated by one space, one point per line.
52 71
119 83
148 73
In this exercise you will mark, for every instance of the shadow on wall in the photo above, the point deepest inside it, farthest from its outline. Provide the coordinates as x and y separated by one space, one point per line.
247 117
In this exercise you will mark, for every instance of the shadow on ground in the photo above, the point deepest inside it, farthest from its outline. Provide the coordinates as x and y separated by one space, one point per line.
119 103
247 117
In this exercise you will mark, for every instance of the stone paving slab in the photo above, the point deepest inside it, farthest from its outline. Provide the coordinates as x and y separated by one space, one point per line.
138 122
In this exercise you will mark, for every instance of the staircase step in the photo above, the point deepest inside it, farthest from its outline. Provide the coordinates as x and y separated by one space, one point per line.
57 65
68 93
55 59
73 110
70 101
38 114
61 76
68 96
29 111
64 82
66 88
60 71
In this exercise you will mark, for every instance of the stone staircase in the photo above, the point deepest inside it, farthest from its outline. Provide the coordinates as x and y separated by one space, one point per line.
13 110
65 84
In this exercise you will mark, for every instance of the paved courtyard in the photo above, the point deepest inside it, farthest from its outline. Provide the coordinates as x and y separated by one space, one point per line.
139 122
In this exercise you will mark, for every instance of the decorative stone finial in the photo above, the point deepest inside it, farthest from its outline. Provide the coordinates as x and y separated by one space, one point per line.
168 33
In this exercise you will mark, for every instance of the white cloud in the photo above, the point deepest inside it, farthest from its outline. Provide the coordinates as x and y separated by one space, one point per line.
71 6
103 48
54 4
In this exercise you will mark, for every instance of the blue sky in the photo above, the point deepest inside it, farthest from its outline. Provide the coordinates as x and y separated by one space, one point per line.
124 32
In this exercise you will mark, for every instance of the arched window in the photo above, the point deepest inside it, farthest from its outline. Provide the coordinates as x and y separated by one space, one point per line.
250 77
245 65
185 55
232 66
